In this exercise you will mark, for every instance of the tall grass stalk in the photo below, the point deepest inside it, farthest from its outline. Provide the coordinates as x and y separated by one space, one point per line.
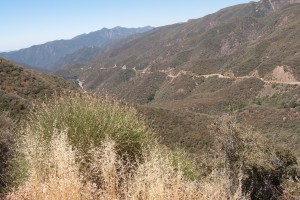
52 170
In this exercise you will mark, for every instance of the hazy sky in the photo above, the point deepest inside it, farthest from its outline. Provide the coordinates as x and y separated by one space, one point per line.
28 22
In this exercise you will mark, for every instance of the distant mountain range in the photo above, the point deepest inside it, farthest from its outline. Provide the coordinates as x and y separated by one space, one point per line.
45 56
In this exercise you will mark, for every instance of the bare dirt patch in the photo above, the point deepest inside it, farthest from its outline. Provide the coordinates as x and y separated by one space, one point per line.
282 74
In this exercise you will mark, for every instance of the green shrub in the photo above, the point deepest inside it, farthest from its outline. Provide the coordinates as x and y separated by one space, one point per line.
90 119
150 97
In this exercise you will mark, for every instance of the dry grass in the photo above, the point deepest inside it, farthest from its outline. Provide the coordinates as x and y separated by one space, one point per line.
52 170
88 148
292 190
57 168
54 173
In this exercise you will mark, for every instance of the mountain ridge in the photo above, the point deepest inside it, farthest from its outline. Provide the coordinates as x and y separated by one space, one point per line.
216 44
44 55
243 60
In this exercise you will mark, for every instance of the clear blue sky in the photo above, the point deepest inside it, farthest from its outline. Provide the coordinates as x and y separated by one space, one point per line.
28 22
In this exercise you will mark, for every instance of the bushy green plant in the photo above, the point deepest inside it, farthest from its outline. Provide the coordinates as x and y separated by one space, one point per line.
89 119
150 97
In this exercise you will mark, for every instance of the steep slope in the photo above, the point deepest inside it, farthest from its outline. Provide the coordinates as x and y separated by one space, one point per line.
237 41
274 5
79 57
71 64
44 55
242 60
19 86
74 62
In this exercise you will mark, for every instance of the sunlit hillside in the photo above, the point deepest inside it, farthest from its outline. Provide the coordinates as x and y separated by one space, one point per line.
205 109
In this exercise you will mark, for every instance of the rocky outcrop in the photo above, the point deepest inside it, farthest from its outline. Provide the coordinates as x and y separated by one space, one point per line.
273 5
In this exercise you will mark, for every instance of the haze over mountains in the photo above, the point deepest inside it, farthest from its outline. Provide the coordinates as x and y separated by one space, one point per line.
44 56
